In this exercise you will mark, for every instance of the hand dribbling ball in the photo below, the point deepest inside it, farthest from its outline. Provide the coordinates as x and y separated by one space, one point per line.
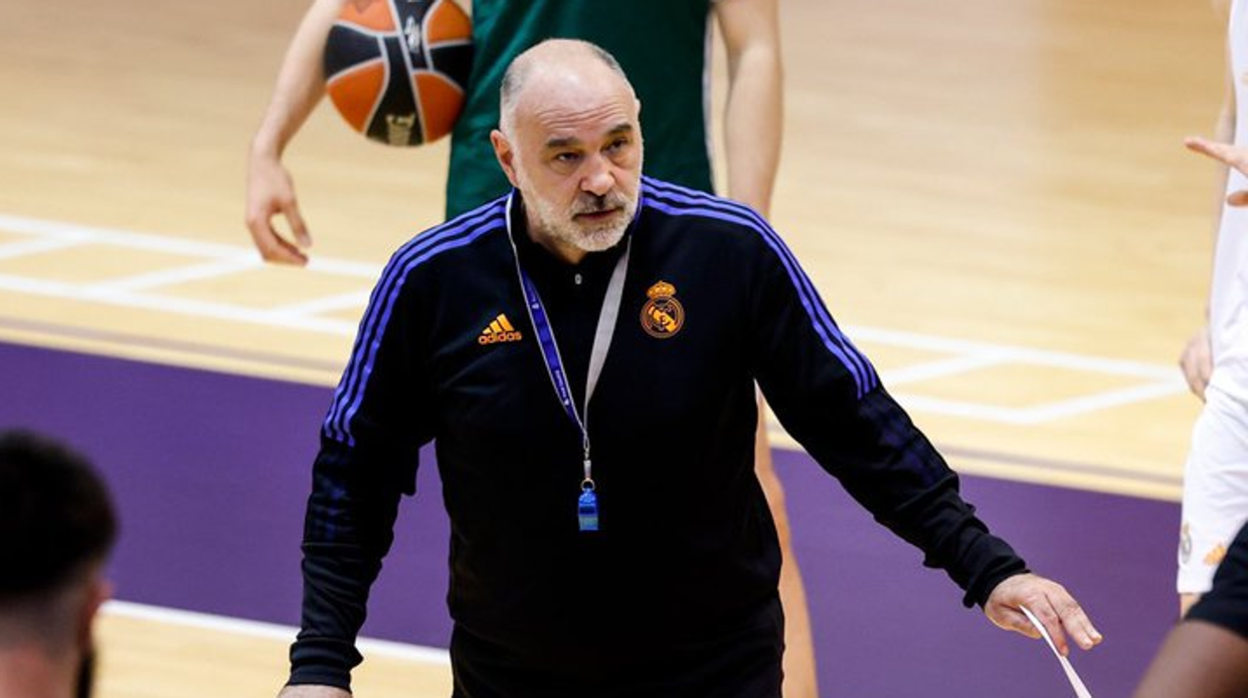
397 71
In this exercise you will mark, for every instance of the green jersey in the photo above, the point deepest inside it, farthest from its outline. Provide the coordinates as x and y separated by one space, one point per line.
661 44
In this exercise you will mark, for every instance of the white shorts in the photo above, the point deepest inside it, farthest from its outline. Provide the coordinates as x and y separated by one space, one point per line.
1215 488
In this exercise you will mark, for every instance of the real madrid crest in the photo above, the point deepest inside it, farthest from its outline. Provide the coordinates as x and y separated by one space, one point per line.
662 316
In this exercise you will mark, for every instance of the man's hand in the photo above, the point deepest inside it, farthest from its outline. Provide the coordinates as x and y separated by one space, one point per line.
310 691
271 192
1196 361
1230 155
1056 609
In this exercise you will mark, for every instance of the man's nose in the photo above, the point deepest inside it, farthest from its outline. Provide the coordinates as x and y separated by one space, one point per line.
599 177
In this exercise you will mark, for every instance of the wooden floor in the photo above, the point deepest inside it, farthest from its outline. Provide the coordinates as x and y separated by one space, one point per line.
991 196
162 654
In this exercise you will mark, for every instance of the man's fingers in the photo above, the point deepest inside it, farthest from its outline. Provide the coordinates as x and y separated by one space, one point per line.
1063 617
1016 621
1078 625
1052 623
273 247
1199 145
1225 152
1204 146
297 227
1051 605
283 252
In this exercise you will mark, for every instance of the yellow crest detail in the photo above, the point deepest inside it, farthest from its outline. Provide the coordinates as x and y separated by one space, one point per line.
662 316
1215 556
661 290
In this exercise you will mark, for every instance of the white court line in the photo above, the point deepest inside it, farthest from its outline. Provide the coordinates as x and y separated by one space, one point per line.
959 408
163 243
1100 401
182 306
342 267
327 304
963 356
119 238
26 248
178 275
1026 355
39 287
1045 412
942 368
273 631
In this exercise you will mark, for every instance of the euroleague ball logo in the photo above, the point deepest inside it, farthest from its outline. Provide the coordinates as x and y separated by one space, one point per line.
662 316
397 70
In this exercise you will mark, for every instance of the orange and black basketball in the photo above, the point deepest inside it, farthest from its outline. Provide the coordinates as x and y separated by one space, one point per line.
397 70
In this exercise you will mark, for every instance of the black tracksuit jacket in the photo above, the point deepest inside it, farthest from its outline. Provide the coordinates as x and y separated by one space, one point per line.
676 594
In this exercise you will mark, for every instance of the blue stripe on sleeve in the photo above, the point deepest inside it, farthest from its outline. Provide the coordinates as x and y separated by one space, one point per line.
457 232
679 201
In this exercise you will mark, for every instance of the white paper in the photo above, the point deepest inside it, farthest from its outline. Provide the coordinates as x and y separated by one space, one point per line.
1080 690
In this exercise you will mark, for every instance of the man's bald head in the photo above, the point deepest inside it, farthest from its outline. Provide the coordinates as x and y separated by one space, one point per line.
570 141
557 64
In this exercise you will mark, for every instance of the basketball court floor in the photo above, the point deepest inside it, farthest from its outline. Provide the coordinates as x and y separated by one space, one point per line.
992 198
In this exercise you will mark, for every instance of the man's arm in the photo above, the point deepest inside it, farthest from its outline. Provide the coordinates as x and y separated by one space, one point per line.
370 449
348 529
830 400
1198 660
754 113
300 86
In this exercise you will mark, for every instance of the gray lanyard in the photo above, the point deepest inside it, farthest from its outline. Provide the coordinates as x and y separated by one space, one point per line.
587 503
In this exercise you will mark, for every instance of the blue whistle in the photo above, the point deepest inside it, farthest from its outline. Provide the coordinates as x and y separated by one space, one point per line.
587 510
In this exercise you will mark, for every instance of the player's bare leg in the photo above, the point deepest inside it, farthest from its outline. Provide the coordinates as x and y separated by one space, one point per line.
799 649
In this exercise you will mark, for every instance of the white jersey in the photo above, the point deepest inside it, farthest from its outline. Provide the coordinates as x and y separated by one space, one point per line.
1228 303
1215 482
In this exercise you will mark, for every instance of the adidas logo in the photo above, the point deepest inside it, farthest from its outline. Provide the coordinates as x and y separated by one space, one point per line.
499 331
1216 555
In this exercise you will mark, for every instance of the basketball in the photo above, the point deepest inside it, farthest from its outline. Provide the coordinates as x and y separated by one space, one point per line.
397 71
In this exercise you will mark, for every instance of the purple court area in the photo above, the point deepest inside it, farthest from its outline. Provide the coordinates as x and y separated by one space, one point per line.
211 472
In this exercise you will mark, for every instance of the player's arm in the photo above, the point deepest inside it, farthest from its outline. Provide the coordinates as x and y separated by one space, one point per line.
300 86
1198 660
754 113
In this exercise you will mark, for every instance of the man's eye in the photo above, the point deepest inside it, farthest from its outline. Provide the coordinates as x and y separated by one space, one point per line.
567 157
617 144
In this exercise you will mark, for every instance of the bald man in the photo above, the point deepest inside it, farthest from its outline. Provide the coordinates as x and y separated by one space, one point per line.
671 66
583 352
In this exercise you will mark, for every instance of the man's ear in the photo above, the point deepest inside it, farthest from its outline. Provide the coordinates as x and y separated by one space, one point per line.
505 154
99 590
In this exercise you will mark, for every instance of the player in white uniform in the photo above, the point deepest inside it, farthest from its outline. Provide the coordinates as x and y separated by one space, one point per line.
1215 489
